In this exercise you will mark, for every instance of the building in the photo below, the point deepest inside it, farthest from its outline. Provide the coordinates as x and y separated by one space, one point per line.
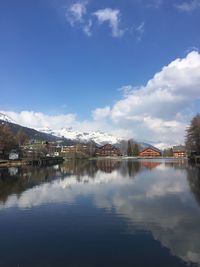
179 152
150 152
13 155
74 148
107 150
68 149
40 149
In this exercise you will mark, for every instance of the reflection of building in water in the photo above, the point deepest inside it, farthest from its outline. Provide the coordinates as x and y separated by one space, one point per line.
108 150
90 167
82 167
150 152
107 165
150 164
79 167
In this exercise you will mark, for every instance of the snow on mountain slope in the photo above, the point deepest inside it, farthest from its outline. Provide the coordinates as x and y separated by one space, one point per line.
98 137
6 118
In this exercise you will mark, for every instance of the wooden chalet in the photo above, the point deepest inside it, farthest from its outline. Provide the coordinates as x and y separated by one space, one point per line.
179 152
108 150
150 152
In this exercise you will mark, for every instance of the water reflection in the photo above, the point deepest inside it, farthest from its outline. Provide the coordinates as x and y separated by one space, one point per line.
157 197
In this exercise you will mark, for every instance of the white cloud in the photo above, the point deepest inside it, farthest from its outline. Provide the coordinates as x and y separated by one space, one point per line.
87 28
112 17
191 48
76 12
189 5
158 112
101 113
76 15
40 120
153 111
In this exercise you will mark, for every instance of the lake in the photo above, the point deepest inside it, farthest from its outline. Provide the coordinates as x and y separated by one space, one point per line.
101 213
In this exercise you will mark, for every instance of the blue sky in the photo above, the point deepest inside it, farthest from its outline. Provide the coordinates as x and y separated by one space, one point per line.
71 57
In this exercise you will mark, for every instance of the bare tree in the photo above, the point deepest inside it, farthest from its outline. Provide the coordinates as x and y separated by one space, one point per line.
21 137
7 140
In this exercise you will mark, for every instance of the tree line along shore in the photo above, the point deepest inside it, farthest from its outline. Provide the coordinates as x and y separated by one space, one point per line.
18 149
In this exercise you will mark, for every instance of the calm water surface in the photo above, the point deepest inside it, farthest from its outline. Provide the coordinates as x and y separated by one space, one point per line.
100 213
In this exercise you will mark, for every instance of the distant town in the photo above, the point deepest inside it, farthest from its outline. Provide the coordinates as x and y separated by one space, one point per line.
16 147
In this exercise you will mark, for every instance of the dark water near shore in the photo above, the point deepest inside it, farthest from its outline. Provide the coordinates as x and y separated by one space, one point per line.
100 213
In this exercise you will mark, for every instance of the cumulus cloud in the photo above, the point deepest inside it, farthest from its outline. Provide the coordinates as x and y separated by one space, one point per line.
101 113
112 17
40 120
189 5
157 112
171 90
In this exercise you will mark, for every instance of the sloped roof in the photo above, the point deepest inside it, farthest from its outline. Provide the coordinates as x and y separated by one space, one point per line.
179 148
152 148
107 145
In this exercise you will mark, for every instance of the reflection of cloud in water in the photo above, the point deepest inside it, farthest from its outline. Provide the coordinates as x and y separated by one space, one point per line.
157 201
64 190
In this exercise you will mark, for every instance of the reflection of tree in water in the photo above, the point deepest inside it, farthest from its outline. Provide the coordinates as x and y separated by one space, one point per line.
133 167
177 164
79 167
108 165
17 180
193 177
90 167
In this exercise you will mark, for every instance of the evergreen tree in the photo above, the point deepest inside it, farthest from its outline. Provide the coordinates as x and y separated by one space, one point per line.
168 152
135 149
129 149
193 136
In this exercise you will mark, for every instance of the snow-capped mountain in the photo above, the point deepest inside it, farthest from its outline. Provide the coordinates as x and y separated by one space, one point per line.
6 118
98 137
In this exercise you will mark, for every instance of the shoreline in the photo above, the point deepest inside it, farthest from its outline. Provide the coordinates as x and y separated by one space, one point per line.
56 160
31 162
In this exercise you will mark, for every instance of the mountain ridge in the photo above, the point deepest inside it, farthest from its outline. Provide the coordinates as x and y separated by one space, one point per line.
67 136
99 137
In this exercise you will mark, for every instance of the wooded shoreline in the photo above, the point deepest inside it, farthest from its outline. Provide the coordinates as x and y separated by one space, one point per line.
43 161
